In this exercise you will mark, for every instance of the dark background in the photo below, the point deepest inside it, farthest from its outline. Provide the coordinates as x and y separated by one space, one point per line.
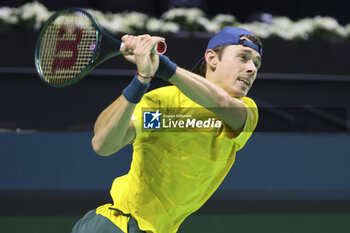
243 10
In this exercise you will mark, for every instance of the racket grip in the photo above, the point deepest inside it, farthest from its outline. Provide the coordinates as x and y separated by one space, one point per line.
160 48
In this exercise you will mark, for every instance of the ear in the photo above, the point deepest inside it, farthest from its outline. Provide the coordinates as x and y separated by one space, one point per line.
211 58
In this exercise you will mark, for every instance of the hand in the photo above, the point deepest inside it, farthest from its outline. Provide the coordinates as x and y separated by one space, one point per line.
138 50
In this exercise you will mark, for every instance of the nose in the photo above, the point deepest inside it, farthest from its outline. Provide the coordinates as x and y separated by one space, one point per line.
251 68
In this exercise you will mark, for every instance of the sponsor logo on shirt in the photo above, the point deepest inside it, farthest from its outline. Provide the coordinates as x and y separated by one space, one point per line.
155 120
151 120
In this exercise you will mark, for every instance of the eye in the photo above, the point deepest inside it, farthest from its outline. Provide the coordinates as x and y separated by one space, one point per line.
244 57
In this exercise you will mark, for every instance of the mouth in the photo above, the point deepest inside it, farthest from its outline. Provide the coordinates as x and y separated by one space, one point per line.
245 81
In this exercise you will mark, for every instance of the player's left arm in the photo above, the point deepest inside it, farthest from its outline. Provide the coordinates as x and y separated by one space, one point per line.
231 110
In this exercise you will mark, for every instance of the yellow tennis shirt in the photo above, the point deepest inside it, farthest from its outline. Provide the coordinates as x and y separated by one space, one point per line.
177 166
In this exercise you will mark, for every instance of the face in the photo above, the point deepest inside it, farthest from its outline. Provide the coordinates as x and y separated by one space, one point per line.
236 71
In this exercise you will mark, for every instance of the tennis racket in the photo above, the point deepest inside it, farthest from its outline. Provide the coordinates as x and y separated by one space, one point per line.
68 47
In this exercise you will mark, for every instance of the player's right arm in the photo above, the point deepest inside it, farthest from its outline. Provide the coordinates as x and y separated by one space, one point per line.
114 128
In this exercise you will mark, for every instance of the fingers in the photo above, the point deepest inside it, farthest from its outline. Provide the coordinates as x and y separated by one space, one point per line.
138 49
147 45
142 44
129 44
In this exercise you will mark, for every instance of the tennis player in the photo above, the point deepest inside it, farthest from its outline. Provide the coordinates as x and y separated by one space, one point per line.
174 171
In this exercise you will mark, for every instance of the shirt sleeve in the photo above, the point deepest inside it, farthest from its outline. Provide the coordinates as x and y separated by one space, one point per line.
250 123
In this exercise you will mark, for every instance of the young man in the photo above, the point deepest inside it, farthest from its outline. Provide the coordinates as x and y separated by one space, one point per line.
175 170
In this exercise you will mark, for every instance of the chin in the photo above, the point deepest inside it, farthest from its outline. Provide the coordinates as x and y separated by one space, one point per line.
237 93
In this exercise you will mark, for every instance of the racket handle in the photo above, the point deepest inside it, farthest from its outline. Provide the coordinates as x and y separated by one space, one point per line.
160 48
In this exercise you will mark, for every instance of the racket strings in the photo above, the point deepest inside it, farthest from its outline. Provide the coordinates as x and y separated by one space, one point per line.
67 47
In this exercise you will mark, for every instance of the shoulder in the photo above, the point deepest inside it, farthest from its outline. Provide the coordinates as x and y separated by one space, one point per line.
249 102
252 108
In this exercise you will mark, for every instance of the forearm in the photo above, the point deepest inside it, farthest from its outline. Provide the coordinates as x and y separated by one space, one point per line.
201 90
207 94
114 128
111 127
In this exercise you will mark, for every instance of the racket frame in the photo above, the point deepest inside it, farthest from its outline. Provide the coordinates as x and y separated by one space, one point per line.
95 59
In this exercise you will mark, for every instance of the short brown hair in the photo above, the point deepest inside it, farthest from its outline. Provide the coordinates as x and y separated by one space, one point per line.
201 68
